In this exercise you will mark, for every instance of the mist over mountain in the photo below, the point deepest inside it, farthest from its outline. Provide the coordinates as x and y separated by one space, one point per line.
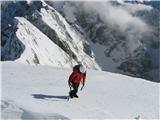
110 36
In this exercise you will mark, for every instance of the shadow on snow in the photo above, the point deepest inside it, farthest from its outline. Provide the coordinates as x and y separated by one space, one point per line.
55 98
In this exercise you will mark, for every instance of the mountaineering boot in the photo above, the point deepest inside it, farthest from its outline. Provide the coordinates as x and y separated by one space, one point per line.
70 94
76 96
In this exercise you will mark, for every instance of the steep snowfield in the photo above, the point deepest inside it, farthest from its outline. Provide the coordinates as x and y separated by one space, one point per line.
41 92
39 49
67 34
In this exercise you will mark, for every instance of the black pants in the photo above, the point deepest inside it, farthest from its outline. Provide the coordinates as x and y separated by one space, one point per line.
75 89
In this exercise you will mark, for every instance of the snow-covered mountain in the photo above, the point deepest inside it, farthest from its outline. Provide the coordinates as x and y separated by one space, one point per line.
124 37
40 35
40 93
111 36
39 49
115 36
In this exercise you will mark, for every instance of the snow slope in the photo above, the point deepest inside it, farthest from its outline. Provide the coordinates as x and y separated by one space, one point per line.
40 35
39 49
68 35
39 92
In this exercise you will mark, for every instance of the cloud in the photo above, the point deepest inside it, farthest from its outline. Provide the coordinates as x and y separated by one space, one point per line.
69 11
119 17
116 16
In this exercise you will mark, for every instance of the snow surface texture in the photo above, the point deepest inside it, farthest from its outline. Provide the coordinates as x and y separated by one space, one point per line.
40 92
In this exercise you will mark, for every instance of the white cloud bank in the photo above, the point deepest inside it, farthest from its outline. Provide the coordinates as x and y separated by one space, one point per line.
119 17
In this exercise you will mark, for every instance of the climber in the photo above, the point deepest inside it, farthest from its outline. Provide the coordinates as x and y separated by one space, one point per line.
78 76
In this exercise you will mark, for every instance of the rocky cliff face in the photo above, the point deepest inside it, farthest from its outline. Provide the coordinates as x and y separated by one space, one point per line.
110 36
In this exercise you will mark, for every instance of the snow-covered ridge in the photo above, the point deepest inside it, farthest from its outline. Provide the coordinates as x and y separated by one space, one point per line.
41 93
42 36
39 49
51 23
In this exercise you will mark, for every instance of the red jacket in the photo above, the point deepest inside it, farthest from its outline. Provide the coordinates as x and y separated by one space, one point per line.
77 76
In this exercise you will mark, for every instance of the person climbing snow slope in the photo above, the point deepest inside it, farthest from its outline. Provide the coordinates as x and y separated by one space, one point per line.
77 76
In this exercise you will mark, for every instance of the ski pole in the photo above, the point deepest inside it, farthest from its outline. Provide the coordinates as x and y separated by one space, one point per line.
82 87
70 86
